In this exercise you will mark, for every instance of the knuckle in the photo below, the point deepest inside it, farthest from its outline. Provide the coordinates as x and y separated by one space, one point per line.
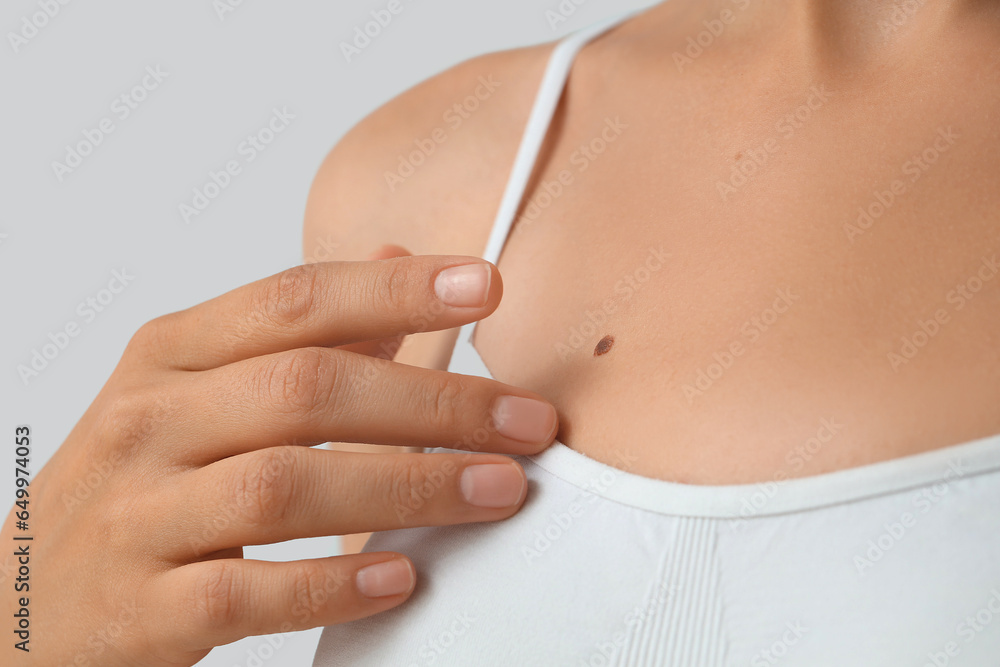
264 486
131 418
215 596
145 335
153 337
290 296
309 588
441 403
405 483
302 381
391 285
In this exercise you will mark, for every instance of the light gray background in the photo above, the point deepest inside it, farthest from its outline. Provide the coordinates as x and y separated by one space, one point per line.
60 241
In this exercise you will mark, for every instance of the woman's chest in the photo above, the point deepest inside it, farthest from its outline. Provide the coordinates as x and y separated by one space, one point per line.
715 308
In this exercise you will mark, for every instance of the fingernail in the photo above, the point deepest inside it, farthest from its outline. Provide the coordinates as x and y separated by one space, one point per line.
492 485
524 419
392 577
466 286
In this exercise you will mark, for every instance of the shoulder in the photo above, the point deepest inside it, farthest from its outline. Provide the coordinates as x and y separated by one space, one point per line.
427 169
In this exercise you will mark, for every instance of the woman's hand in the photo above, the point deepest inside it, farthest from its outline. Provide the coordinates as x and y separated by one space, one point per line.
197 446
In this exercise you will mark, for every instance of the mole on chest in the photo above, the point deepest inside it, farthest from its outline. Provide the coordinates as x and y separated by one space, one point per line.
604 345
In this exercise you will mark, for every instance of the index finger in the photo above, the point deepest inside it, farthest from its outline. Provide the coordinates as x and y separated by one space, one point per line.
327 304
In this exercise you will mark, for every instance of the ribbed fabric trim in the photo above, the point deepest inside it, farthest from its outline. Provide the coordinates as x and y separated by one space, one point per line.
682 623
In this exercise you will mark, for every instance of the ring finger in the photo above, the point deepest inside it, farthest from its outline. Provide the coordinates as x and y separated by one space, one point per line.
284 493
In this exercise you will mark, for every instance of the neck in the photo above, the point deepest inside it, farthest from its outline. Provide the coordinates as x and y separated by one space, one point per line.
829 32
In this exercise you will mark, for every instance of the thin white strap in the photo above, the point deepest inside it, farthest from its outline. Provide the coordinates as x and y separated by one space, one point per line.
556 74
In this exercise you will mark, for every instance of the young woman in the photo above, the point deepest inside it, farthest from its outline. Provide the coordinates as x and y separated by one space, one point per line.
749 254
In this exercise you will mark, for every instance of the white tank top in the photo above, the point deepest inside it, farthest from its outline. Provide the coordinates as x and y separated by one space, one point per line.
891 564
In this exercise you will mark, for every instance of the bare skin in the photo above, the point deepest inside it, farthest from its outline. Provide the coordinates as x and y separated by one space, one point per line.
207 402
834 366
